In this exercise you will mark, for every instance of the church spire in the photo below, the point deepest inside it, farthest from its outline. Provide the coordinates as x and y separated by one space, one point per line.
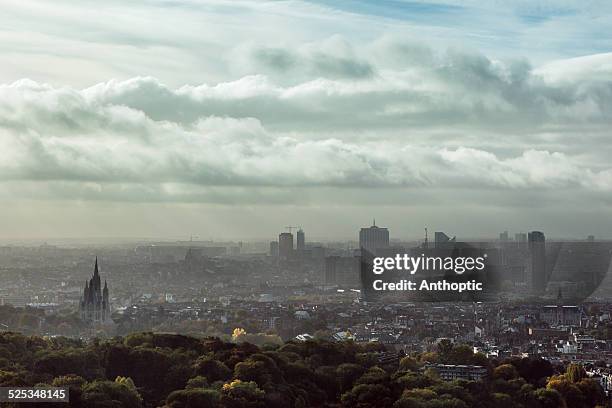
95 306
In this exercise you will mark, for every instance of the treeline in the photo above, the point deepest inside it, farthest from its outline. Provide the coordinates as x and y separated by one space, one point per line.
168 370
33 320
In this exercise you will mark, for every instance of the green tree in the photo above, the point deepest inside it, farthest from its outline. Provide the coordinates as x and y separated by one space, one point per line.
550 398
461 354
445 349
100 394
374 375
500 400
75 387
575 372
241 394
533 370
347 374
505 372
367 395
212 369
194 398
592 392
408 364
127 382
197 382
569 391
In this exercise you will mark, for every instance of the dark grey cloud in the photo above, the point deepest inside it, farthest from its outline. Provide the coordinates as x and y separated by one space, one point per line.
334 58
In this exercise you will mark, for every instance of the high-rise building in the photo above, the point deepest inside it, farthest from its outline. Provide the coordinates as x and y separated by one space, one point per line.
373 238
537 252
520 237
503 237
441 240
94 306
274 248
301 241
194 261
285 245
520 240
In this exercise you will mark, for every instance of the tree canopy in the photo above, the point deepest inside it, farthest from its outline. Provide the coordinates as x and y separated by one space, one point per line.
174 371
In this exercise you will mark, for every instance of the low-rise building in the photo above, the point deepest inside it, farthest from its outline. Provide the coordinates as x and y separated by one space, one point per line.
449 372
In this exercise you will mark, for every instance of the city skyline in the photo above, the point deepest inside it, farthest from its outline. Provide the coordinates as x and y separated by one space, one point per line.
394 235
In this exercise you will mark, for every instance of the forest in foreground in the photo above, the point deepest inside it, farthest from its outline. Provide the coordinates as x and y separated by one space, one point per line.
170 370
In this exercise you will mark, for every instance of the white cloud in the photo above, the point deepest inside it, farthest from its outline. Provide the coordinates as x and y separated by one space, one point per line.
168 144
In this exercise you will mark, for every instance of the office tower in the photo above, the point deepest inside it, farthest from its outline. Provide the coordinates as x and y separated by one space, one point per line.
503 237
442 240
373 238
301 241
537 252
274 248
330 270
285 245
521 241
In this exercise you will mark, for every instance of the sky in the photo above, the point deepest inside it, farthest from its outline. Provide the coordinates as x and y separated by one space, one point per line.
234 119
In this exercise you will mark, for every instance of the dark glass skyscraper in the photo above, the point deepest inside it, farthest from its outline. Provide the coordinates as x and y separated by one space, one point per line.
285 245
301 241
537 252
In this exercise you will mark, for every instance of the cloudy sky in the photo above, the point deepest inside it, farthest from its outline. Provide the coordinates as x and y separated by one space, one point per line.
233 119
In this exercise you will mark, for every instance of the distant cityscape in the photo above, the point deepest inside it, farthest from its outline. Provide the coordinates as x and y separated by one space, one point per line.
179 283
52 277
552 299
